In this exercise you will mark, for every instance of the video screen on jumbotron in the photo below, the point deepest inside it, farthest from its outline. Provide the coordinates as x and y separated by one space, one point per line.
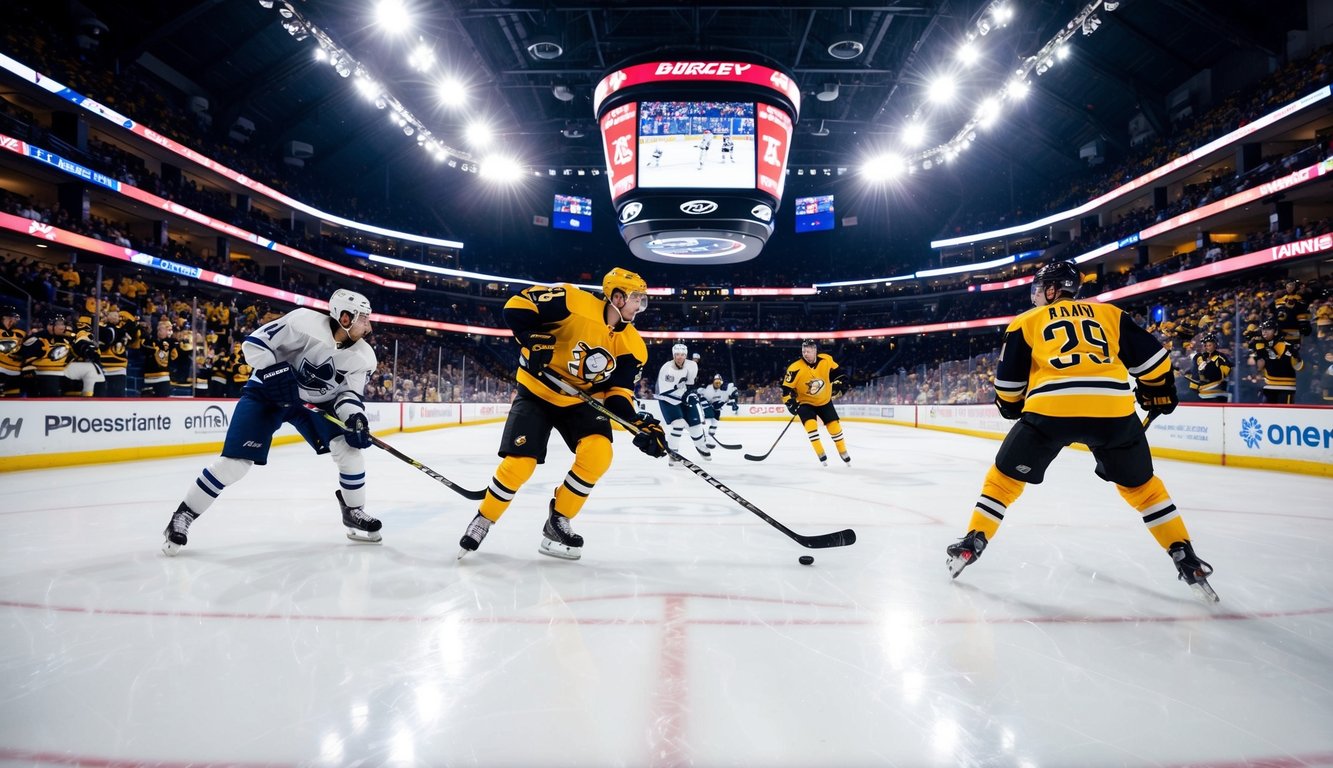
814 213
573 213
696 144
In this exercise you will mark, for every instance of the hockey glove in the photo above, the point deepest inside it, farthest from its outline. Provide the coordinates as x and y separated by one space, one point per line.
839 387
791 404
1008 410
692 400
650 438
358 431
279 384
541 348
1157 399
735 407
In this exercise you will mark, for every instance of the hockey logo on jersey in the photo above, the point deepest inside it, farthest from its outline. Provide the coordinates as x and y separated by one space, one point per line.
592 364
59 352
814 386
317 377
8 345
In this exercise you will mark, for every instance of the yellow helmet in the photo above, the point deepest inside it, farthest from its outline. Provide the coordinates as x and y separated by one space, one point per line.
623 280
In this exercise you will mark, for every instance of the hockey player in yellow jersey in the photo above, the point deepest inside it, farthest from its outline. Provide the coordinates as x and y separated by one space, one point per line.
1063 374
1211 369
11 338
808 389
588 342
1279 361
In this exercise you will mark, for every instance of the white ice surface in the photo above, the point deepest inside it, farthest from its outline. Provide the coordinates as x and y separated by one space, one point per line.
687 634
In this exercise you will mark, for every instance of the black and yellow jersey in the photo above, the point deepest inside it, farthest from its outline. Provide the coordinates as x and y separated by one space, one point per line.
1292 314
1074 358
1279 362
811 384
47 353
159 354
114 343
10 341
1210 375
589 354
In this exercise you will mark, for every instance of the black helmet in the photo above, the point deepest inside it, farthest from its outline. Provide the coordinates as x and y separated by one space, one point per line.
809 343
9 310
1268 325
52 317
1208 338
1063 275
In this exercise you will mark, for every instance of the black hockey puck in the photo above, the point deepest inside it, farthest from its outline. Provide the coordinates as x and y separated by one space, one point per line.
807 560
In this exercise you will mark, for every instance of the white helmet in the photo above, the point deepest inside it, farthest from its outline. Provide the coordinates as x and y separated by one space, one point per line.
717 377
351 302
679 349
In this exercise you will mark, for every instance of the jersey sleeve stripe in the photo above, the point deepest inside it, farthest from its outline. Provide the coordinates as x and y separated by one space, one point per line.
1139 370
258 342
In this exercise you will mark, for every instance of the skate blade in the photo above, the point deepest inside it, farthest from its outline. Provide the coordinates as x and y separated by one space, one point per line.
462 551
956 566
556 549
363 537
1204 591
170 549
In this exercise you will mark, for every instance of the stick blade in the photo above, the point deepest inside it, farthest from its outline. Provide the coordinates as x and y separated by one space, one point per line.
752 457
844 538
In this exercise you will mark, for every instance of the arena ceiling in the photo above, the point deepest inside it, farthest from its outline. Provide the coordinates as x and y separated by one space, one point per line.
238 54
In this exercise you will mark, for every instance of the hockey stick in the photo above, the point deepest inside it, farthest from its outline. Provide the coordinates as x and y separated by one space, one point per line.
841 538
397 454
752 457
728 446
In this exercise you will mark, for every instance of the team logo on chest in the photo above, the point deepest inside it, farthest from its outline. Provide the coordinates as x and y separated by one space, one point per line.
592 364
317 377
814 386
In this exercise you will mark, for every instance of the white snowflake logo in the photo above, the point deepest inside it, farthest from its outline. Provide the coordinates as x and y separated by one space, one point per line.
1251 432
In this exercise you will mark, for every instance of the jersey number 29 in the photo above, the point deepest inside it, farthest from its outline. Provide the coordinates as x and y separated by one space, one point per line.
1086 334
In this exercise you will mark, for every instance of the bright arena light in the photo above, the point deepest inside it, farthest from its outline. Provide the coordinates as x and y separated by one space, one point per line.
392 16
942 89
479 135
884 167
914 134
968 53
501 169
451 92
988 112
1062 52
367 87
1018 88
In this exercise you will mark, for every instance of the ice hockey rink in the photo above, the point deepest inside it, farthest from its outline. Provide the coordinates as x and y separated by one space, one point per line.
687 634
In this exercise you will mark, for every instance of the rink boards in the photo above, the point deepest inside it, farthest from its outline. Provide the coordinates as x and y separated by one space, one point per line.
50 433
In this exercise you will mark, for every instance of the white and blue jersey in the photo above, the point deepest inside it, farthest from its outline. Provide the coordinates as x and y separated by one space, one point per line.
674 385
716 397
330 376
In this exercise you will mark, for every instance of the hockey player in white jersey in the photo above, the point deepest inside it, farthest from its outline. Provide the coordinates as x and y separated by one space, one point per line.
715 396
302 357
704 142
679 402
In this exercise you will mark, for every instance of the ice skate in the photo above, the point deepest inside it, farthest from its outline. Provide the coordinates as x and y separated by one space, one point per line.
846 458
1193 571
965 552
476 532
823 462
177 531
360 526
559 539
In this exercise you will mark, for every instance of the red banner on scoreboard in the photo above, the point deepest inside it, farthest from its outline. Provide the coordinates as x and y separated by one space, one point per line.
618 129
773 127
